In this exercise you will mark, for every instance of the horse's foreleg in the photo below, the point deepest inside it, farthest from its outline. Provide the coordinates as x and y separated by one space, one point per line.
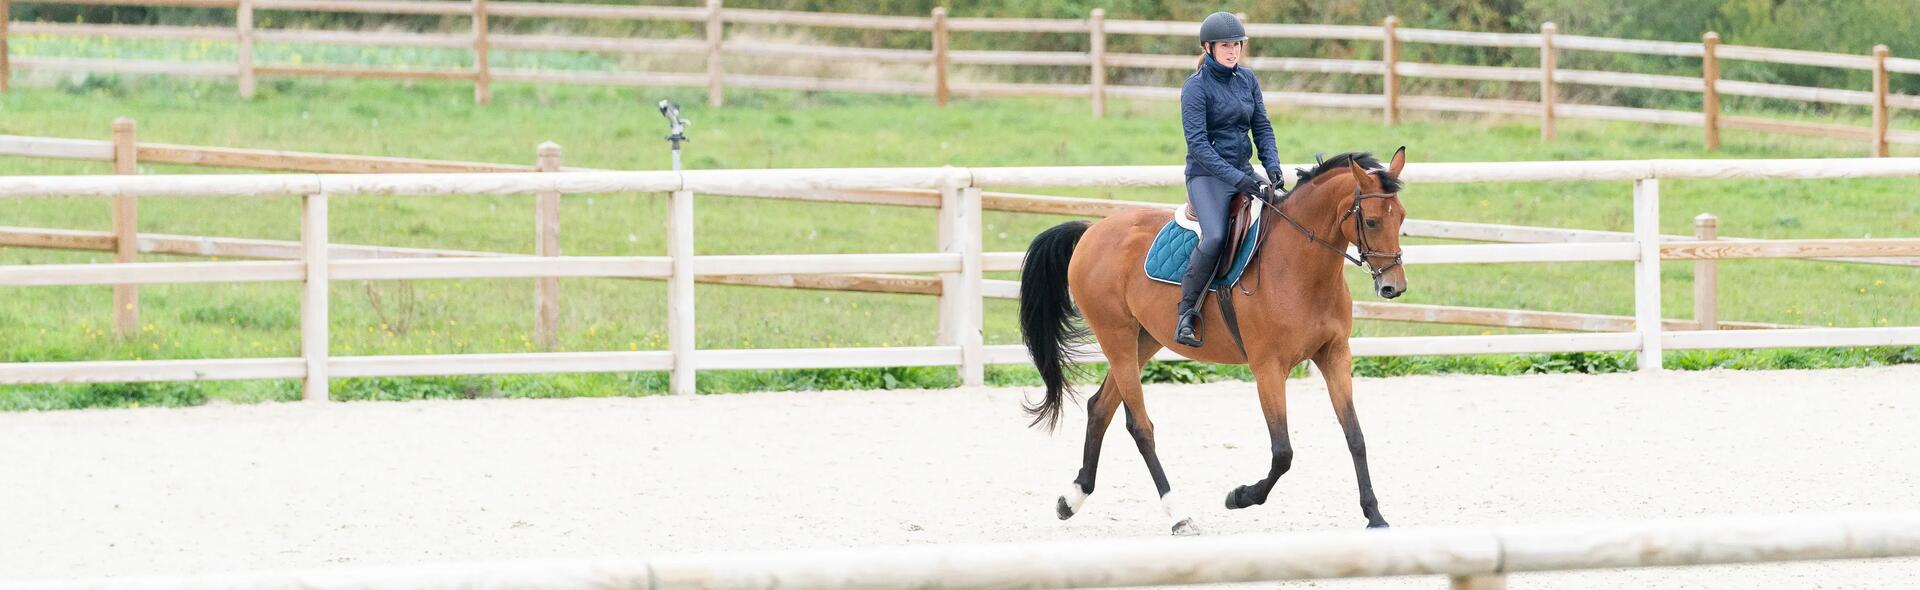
1100 410
1336 364
1271 379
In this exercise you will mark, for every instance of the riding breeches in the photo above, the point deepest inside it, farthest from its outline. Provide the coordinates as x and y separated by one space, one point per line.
1209 198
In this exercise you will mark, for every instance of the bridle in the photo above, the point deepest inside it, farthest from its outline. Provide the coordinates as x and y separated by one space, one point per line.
1359 233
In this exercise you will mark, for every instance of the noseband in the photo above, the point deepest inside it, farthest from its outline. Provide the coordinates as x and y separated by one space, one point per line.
1367 253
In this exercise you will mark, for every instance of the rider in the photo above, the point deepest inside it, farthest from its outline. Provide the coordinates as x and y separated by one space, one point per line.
1219 105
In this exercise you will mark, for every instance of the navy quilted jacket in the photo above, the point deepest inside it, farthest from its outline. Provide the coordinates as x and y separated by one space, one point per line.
1218 107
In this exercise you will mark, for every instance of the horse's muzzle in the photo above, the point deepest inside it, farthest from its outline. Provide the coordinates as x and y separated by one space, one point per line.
1390 292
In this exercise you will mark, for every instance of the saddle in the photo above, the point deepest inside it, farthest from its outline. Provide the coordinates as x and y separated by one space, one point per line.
1240 216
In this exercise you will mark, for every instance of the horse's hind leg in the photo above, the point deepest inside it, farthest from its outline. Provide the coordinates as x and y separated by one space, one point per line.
1336 363
1124 374
1100 409
1271 379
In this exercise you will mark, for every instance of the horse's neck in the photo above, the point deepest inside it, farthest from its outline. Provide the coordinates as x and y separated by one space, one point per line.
1318 209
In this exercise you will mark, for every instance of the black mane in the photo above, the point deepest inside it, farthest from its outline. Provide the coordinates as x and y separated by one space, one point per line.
1365 160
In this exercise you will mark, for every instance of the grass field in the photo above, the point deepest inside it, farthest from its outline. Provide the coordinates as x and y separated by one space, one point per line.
618 129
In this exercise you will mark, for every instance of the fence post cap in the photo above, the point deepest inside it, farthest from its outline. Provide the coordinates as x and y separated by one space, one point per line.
548 148
1880 50
956 178
1548 27
1705 219
123 124
1711 36
939 11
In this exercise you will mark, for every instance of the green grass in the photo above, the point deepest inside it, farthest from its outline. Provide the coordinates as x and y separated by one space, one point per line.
617 129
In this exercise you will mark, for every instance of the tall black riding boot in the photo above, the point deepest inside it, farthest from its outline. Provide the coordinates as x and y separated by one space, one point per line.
1193 286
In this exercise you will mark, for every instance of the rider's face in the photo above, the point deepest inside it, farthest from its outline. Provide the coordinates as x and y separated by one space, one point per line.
1228 52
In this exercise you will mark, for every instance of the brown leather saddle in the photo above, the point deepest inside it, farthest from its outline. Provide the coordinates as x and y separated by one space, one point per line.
1239 218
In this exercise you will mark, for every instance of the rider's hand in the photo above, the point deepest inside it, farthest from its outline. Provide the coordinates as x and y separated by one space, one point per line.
1277 177
1249 184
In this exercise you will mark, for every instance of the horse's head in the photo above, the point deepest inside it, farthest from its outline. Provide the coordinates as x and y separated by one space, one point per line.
1371 222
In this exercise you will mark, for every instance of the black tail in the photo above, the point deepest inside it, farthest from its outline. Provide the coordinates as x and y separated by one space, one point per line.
1047 315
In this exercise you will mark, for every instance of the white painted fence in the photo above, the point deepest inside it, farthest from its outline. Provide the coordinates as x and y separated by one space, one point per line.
960 263
1471 557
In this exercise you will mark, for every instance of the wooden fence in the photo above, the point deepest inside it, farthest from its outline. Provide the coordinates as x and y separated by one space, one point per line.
1470 558
714 47
959 195
126 154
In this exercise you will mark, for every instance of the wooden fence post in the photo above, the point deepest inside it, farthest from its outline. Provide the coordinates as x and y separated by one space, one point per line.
680 304
243 28
482 70
1880 114
1390 55
1547 90
1646 271
716 31
1097 50
961 306
126 230
546 293
1706 276
314 322
940 56
947 233
6 68
1710 74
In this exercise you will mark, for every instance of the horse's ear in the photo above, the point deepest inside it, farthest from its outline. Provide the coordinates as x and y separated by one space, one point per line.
1399 160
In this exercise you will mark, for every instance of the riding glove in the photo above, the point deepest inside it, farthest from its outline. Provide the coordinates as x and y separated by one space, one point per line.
1249 184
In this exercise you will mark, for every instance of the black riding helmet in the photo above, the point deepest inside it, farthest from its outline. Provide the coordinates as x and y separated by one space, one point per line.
1221 26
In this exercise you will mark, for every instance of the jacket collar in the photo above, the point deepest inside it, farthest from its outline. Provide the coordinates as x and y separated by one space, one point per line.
1217 71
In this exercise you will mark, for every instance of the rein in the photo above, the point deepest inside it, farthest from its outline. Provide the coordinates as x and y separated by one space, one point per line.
1359 233
1360 242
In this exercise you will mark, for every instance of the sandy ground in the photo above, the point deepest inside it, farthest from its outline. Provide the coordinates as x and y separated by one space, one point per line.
155 491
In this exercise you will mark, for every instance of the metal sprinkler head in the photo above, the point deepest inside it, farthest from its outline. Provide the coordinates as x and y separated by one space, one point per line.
676 128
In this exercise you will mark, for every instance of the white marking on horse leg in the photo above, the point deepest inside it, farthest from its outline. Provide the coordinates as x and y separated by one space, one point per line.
1074 497
1176 511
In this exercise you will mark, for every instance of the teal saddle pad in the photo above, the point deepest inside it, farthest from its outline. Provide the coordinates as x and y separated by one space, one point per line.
1172 252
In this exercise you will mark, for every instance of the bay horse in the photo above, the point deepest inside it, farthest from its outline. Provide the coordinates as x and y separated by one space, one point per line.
1297 307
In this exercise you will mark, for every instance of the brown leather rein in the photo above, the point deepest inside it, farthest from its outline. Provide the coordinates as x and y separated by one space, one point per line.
1367 253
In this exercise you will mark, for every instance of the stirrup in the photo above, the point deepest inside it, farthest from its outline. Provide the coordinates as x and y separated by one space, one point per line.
1187 331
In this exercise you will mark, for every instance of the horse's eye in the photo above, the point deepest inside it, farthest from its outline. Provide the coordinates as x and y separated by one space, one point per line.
1373 224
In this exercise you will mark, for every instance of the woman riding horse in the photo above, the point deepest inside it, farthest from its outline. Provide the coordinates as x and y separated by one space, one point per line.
1219 105
1293 301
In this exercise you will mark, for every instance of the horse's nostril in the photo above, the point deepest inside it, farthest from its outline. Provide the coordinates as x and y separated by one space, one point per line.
1387 290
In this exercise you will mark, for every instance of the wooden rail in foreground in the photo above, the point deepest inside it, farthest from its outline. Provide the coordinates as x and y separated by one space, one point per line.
714 49
1467 557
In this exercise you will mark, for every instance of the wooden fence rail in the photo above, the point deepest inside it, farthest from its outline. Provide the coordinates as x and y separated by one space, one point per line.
715 48
1476 557
960 262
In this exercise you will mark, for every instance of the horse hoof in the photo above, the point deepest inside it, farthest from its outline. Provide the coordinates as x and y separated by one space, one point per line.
1236 499
1061 508
1185 528
1377 525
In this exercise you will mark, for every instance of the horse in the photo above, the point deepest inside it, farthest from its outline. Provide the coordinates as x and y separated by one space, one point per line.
1297 307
